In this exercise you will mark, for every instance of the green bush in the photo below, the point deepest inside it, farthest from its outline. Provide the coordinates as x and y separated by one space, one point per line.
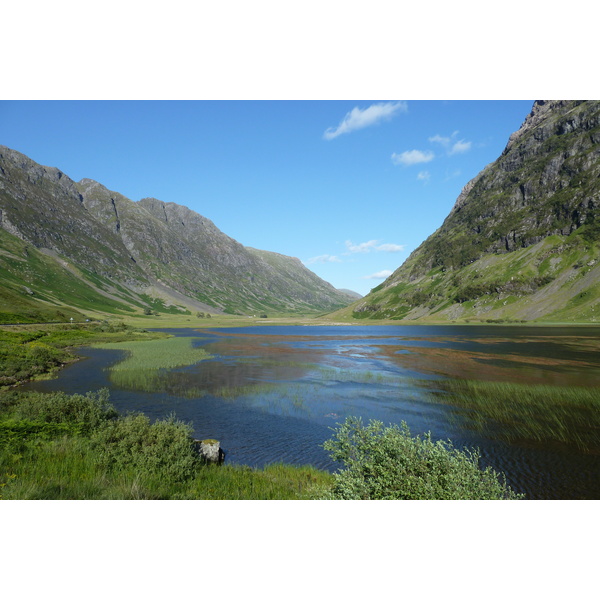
164 447
89 411
389 464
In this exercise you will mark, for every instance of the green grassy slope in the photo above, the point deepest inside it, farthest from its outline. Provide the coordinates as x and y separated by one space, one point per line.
39 288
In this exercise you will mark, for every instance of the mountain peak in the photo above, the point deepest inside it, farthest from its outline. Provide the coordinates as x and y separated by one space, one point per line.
523 238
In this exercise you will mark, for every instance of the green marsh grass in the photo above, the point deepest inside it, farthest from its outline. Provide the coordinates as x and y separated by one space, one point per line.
157 354
351 375
274 482
146 362
539 413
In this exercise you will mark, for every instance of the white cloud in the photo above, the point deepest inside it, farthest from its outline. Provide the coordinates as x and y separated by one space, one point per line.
460 147
323 258
359 118
452 175
438 139
390 248
365 247
379 275
412 157
424 176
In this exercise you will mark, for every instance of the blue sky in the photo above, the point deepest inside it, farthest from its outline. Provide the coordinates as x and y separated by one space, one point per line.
348 187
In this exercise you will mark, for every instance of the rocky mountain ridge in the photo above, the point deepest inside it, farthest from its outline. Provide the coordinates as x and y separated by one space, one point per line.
146 252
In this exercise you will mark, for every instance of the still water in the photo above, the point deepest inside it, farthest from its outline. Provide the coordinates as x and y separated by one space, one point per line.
273 393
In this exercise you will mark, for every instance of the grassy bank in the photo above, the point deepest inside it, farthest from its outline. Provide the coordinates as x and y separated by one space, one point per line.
37 351
59 446
67 468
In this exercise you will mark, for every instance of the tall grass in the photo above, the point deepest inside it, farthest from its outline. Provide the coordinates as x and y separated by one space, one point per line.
68 468
539 413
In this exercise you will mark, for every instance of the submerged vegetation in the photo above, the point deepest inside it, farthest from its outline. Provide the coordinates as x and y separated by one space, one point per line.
537 413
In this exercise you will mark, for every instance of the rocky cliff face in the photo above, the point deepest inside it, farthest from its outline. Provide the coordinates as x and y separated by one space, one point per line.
148 248
43 206
525 230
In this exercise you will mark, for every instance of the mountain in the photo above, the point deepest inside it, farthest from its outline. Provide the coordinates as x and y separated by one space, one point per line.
68 246
352 294
522 241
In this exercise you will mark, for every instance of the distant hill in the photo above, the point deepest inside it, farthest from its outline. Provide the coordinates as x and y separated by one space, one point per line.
68 247
350 293
522 241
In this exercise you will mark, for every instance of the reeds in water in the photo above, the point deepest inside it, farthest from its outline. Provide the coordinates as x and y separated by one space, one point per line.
539 413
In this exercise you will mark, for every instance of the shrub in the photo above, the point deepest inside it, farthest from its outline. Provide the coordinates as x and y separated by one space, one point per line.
388 464
164 447
90 410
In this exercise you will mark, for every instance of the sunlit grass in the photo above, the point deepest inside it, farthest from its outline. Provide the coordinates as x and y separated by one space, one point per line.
147 362
273 482
157 354
68 468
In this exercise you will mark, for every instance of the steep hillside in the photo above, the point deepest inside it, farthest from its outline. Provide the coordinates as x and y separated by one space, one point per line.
522 241
307 285
129 255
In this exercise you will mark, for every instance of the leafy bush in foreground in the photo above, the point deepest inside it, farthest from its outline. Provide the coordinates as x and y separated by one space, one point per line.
164 447
389 464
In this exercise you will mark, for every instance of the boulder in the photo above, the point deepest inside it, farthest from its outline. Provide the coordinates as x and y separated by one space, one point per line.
210 451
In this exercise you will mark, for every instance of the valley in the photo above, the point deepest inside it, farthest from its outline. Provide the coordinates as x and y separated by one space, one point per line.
486 335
